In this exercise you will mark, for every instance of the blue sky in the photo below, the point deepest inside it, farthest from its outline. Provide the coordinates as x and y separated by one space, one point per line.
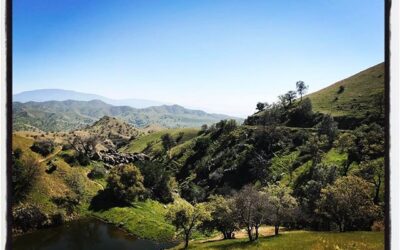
217 55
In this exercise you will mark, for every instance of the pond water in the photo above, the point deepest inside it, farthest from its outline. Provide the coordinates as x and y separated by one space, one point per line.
84 234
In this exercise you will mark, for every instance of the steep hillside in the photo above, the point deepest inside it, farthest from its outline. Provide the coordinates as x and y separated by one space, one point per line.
49 186
355 96
71 115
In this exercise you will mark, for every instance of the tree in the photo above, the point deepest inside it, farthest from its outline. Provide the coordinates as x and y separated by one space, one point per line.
167 141
85 147
301 115
76 182
250 209
186 218
202 144
203 128
346 144
126 183
260 106
281 205
373 172
328 127
25 169
43 147
379 100
223 218
341 89
315 147
283 101
369 142
290 96
273 114
349 199
156 180
301 89
307 190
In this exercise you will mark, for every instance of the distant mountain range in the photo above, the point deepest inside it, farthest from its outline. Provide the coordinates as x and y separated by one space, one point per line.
72 114
43 95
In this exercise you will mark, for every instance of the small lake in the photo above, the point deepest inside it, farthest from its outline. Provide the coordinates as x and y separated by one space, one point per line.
84 234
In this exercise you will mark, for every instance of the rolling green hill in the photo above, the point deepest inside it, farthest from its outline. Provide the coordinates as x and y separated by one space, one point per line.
355 96
71 115
152 142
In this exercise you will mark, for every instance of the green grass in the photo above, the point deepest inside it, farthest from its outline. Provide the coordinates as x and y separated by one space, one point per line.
144 219
358 97
303 240
138 145
333 156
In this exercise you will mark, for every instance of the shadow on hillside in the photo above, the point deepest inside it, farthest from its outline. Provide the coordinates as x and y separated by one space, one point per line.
104 201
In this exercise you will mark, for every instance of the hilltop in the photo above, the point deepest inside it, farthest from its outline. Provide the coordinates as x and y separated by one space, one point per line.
110 126
355 96
351 102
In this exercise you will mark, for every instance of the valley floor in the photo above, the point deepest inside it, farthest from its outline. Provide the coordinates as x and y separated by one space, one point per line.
294 240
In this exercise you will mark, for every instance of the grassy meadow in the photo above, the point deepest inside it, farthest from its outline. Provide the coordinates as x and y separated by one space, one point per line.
295 240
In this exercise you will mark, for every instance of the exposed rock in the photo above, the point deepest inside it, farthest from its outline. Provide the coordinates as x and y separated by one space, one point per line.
113 158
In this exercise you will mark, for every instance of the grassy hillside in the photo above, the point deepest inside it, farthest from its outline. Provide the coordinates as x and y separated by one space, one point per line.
144 219
361 93
153 142
49 186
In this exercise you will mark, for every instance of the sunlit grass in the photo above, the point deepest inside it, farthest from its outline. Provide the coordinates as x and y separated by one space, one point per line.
295 240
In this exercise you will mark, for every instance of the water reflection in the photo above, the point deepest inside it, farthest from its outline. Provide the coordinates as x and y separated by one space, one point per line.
84 234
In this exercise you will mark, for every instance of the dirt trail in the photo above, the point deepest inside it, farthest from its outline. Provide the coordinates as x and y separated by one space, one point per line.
58 150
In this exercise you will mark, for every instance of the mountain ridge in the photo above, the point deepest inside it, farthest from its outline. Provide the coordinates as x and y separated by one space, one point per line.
43 95
72 115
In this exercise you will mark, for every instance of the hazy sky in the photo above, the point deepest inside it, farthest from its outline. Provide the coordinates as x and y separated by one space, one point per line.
218 55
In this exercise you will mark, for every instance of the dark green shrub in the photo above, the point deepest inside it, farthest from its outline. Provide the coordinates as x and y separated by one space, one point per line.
51 167
23 176
126 183
83 159
44 147
26 217
97 172
68 203
70 159
301 115
17 153
66 147
341 89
